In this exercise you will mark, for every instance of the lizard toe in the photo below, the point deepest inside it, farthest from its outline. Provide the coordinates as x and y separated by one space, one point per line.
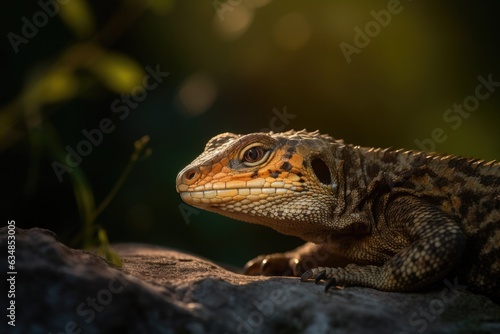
296 267
331 283
307 275
272 265
333 275
254 266
321 276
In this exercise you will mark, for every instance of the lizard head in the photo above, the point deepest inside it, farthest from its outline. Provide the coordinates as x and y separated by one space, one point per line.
281 180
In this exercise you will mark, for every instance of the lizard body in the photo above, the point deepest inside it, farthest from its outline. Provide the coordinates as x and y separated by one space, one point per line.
392 220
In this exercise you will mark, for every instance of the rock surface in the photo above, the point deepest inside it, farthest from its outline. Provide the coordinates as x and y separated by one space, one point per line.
159 290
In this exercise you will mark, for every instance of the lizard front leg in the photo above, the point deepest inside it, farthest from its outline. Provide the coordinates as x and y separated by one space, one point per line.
436 245
295 262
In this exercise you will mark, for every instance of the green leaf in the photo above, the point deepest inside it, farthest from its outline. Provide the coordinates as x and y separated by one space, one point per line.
55 86
84 195
105 249
117 72
77 16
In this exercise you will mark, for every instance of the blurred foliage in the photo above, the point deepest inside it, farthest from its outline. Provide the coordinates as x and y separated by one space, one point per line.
230 63
78 17
60 82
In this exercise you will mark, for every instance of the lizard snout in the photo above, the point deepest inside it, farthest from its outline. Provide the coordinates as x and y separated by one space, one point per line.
187 177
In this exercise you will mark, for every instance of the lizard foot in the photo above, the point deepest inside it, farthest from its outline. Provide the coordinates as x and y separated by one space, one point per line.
278 264
320 274
352 274
294 262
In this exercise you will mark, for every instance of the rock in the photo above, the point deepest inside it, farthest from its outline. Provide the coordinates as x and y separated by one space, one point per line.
160 290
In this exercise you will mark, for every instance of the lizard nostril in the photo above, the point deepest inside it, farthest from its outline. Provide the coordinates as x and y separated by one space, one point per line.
191 175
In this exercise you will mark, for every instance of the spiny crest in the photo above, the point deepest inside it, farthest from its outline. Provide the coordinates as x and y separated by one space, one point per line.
304 134
459 162
453 162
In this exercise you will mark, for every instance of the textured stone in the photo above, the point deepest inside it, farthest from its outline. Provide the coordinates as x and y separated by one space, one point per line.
159 290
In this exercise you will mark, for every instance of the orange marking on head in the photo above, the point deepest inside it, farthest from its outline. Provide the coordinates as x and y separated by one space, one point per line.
284 175
297 161
217 168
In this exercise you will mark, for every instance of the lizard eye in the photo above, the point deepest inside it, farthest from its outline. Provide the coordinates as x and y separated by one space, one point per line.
254 155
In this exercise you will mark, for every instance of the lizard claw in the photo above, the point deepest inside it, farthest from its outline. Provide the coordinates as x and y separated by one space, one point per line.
330 283
321 276
307 275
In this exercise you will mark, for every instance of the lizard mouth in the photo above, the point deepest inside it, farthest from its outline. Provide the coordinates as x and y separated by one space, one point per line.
244 195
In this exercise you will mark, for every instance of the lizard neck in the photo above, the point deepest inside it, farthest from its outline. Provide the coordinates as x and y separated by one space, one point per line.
365 175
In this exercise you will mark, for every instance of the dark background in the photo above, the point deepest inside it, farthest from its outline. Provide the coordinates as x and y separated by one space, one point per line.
227 73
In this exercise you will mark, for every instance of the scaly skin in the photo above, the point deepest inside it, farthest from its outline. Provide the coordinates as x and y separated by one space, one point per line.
390 220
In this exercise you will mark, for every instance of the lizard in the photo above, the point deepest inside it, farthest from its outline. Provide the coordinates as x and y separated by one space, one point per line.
392 220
